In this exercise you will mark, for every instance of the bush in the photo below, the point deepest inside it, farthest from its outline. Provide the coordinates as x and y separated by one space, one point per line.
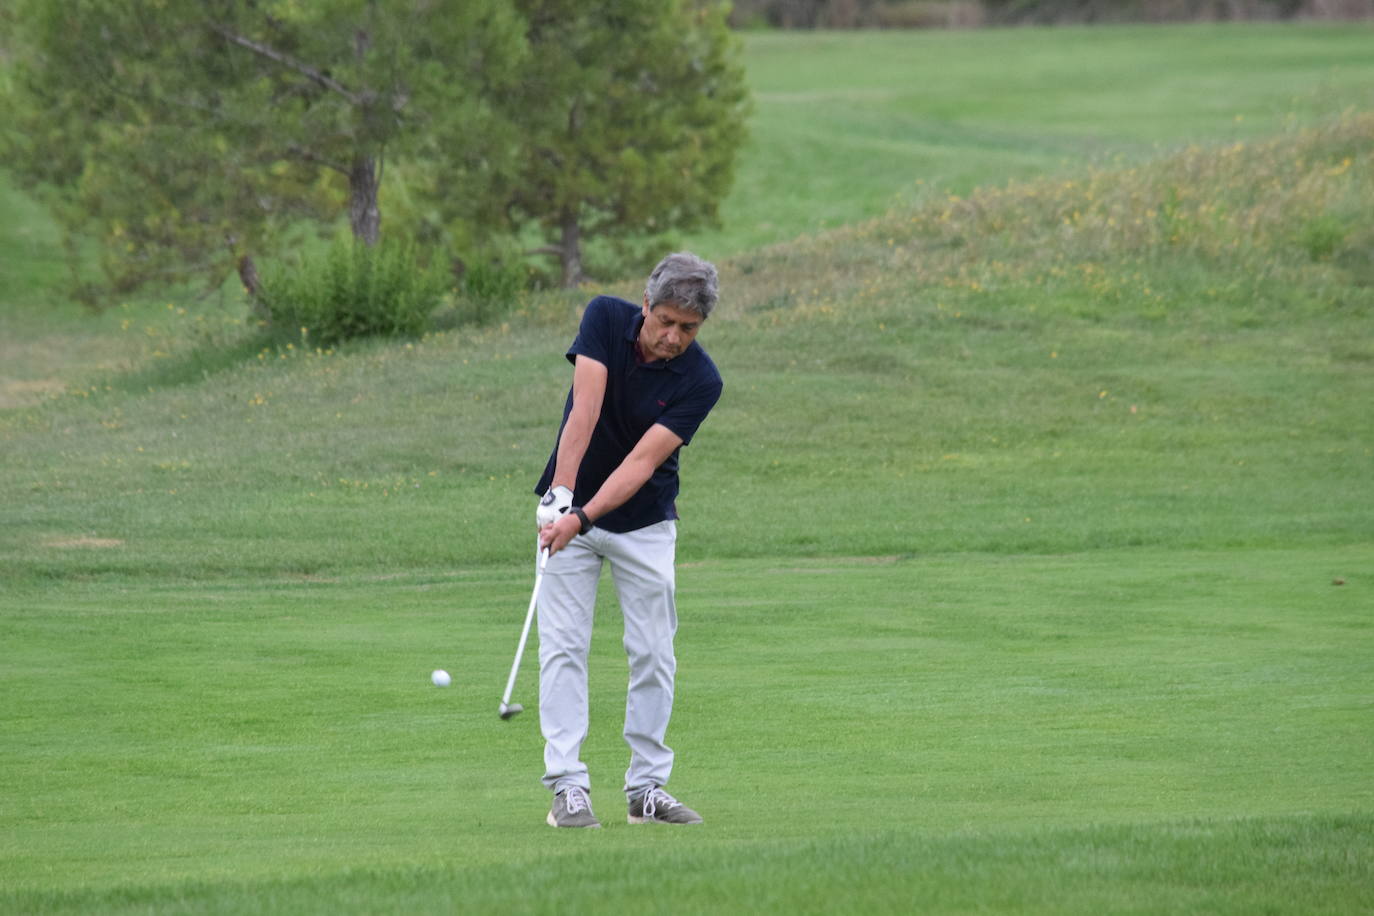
1322 235
493 282
489 290
354 291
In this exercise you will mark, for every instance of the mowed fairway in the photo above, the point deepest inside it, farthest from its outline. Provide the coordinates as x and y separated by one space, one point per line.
1027 566
1121 730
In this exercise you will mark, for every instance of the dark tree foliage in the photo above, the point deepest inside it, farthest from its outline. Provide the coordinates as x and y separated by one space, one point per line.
188 136
630 114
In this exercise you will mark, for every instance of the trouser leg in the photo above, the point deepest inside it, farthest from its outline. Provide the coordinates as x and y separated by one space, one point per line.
642 563
567 601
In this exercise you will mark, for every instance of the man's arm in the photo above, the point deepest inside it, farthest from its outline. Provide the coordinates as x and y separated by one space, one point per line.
589 390
653 448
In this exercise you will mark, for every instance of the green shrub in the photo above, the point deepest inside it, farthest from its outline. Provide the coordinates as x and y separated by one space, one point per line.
354 291
490 289
1321 236
494 281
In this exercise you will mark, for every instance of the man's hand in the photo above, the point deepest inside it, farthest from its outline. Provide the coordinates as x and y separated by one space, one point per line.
555 536
555 504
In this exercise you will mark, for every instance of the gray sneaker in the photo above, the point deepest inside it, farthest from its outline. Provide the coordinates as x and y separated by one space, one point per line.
572 808
658 807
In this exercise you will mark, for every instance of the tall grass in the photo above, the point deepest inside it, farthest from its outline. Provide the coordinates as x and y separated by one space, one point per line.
354 290
1294 204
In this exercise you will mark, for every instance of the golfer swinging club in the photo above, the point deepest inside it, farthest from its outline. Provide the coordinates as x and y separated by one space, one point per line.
641 387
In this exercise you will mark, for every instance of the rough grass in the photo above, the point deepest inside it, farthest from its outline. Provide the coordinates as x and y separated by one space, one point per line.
849 124
1135 357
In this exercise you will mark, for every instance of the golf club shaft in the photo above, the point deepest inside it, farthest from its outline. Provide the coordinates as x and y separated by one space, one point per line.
525 631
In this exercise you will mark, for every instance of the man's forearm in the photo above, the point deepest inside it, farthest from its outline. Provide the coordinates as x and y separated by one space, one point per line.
572 447
624 482
588 391
656 446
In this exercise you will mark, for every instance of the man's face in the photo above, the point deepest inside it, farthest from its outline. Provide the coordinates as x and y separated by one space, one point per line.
667 331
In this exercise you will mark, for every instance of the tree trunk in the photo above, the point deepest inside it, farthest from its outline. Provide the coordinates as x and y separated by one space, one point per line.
252 285
570 249
363 214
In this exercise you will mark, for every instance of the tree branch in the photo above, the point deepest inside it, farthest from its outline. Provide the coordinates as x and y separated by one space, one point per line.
313 158
286 60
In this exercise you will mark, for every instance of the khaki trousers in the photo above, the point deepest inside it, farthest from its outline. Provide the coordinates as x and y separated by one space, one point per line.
642 568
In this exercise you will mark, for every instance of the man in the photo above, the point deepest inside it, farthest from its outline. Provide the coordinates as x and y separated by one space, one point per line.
641 387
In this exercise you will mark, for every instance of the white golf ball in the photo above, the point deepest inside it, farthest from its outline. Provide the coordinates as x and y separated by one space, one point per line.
440 678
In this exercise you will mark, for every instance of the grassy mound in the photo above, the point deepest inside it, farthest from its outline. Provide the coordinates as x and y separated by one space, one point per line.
845 121
1174 354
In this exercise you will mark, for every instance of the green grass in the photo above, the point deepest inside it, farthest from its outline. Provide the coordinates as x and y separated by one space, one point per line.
849 124
1029 370
274 728
43 341
1010 575
859 733
1167 869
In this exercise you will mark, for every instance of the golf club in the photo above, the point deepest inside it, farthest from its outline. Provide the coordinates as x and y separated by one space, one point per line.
507 709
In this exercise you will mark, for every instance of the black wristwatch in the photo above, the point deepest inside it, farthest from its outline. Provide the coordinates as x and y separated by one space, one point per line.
586 522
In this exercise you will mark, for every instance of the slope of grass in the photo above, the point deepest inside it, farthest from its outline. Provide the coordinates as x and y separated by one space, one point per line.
1143 356
848 124
44 344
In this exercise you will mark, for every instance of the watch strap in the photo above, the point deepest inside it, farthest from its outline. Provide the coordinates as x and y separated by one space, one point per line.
582 516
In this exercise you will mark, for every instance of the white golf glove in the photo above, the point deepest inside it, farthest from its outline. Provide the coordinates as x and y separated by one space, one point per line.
555 504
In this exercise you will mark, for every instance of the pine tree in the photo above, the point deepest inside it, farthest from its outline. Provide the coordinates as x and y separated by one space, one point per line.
187 136
630 113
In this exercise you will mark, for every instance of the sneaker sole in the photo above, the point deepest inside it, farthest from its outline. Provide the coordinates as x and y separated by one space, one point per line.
548 819
651 820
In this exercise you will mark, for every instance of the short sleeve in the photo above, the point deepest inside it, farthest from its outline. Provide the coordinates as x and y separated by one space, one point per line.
686 414
595 335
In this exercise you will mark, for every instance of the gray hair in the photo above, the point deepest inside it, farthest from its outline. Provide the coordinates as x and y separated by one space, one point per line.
686 281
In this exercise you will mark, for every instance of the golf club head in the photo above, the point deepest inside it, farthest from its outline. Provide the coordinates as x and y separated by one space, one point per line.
513 709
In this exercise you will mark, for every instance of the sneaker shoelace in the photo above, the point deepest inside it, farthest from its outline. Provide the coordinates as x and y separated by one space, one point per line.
575 799
655 799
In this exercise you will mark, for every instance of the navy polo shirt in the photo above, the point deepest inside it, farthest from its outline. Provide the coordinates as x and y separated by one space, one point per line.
677 393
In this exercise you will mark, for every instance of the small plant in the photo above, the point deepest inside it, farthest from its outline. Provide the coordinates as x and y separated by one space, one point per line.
489 290
1322 236
354 291
493 281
